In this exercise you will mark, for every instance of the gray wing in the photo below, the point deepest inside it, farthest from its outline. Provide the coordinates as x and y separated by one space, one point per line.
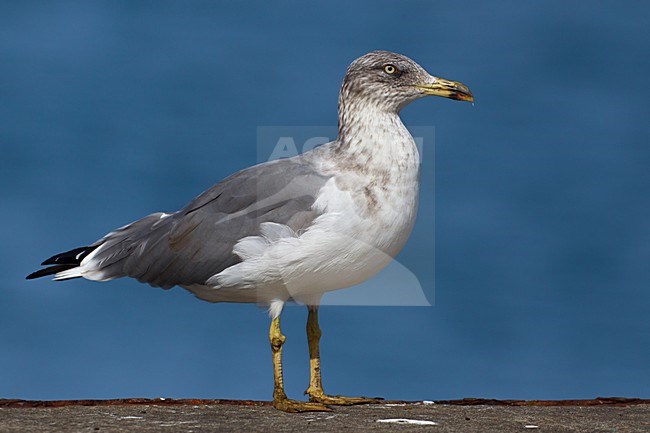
195 243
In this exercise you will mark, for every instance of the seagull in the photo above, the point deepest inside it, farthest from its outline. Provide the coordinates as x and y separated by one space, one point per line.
290 229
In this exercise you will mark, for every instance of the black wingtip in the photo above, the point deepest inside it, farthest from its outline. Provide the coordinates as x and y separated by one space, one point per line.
62 262
48 271
72 257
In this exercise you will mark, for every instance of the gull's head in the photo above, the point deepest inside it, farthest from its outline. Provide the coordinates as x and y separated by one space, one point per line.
389 81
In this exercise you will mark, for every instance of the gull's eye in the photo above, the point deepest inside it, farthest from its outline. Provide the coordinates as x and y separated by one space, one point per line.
390 69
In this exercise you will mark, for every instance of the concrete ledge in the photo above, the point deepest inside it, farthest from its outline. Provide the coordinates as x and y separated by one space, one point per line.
467 415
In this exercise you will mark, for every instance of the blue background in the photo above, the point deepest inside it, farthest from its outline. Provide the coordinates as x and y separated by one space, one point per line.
113 110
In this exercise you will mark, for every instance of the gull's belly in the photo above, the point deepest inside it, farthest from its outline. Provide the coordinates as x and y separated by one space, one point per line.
391 226
352 242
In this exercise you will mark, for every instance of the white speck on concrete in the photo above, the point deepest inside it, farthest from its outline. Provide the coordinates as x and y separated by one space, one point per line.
173 423
531 426
130 417
407 421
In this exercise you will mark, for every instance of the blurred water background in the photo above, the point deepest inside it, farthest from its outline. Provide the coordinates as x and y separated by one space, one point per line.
110 110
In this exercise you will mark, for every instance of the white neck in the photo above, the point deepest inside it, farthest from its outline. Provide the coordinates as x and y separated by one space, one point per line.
375 138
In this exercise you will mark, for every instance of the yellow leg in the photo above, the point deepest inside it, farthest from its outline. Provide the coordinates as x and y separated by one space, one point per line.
280 400
315 389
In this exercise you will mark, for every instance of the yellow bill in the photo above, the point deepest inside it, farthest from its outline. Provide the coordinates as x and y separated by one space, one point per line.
446 89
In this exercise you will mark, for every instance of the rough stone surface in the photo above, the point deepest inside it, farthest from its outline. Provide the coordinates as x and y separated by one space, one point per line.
237 416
